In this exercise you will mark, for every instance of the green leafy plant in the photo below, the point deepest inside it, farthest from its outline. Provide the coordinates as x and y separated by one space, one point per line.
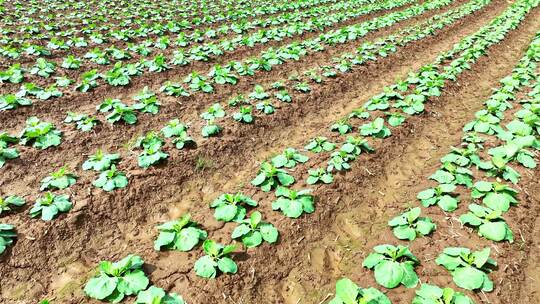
84 122
41 135
265 107
319 144
60 179
178 131
10 102
319 175
289 158
111 179
49 205
216 258
7 236
393 266
7 153
270 177
293 203
211 129
100 161
495 195
431 294
469 269
489 222
117 280
244 114
259 93
441 195
375 128
147 101
409 224
174 89
231 207
253 231
8 201
347 292
155 295
152 154
213 112
181 234
342 126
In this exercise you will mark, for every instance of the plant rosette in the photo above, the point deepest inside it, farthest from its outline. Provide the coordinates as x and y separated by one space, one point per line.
216 258
469 269
253 231
393 265
347 292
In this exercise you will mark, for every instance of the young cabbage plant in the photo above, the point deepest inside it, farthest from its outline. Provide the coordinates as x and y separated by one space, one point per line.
7 236
393 266
174 89
293 203
319 144
356 145
253 231
244 114
340 161
452 174
289 158
151 154
197 82
342 126
122 112
147 101
515 150
49 205
489 222
485 122
232 207
155 295
498 167
178 132
462 157
117 280
210 129
213 112
60 179
100 161
6 203
182 234
111 179
83 122
302 87
409 224
40 134
10 102
283 95
7 153
494 195
441 195
43 68
265 107
412 104
270 176
431 294
347 292
375 128
319 175
259 93
469 269
395 118
217 257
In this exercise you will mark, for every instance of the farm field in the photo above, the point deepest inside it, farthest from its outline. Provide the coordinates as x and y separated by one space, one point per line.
270 151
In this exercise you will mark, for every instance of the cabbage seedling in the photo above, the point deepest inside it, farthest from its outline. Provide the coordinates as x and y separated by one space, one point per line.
342 126
347 292
10 102
7 202
469 269
155 295
288 159
293 203
174 89
41 135
319 175
253 231
7 153
216 258
181 234
7 236
117 280
431 294
211 129
84 122
178 131
259 93
147 102
152 154
266 107
60 179
49 205
111 179
498 167
319 144
375 128
230 207
213 112
270 177
489 222
244 114
100 161
409 224
494 195
393 266
440 195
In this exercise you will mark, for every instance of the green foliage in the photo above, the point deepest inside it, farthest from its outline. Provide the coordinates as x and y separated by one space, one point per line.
181 234
409 224
469 269
7 236
217 257
7 202
100 161
431 294
111 179
41 135
293 203
271 177
60 179
319 175
375 128
495 195
84 122
146 101
489 222
7 153
253 231
49 205
151 154
10 102
117 280
289 158
347 292
231 207
155 295
178 132
244 114
393 266
441 196
319 144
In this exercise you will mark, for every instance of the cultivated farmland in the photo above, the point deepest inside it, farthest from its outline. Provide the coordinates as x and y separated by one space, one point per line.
270 151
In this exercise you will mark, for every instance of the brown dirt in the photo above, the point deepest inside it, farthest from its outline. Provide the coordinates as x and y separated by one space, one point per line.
55 259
